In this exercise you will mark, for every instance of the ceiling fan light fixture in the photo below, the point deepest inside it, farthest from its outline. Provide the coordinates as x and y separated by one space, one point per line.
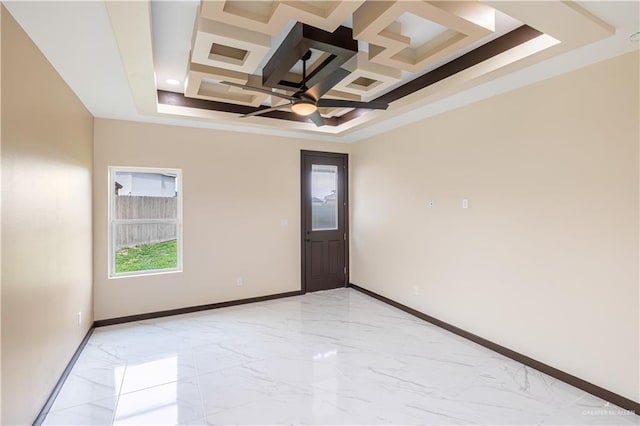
304 108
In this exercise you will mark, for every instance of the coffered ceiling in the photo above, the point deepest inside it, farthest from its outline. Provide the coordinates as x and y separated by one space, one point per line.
183 62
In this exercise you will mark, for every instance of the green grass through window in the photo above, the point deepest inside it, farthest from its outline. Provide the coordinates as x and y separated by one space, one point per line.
146 257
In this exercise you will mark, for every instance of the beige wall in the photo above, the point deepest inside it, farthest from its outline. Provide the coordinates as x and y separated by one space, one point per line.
46 225
236 190
545 260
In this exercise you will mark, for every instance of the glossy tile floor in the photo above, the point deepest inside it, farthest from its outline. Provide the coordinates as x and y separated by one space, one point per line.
335 357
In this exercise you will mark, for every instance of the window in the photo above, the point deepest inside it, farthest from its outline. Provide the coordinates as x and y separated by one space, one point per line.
324 197
145 221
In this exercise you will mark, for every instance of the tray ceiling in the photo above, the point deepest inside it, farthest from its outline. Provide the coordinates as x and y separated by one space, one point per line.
417 56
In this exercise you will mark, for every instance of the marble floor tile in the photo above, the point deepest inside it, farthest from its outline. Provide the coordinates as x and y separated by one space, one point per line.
92 413
333 358
168 404
157 370
88 384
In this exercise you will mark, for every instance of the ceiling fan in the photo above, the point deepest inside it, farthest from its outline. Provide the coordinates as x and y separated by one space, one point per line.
306 101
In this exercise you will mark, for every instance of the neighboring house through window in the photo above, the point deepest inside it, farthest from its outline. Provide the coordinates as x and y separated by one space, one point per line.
145 221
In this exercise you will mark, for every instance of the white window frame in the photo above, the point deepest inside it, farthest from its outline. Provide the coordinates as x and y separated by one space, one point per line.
112 221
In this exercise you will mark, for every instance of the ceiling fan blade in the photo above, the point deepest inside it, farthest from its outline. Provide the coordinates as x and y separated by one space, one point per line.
259 89
317 118
262 111
341 103
327 84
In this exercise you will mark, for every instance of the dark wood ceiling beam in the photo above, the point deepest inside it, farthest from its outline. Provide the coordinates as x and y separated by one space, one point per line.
285 57
339 44
480 54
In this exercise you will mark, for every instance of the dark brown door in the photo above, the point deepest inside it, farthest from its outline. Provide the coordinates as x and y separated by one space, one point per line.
324 220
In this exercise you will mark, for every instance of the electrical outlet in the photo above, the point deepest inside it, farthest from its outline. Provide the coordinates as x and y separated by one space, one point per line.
431 204
239 282
79 318
465 204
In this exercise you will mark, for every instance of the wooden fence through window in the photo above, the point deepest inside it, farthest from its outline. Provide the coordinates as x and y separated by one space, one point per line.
146 215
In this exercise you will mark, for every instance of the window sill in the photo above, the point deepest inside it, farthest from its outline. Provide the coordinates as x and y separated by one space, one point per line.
144 273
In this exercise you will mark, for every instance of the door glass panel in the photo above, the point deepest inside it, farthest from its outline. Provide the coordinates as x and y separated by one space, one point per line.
324 197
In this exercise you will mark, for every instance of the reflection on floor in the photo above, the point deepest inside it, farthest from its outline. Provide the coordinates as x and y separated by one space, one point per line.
335 357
